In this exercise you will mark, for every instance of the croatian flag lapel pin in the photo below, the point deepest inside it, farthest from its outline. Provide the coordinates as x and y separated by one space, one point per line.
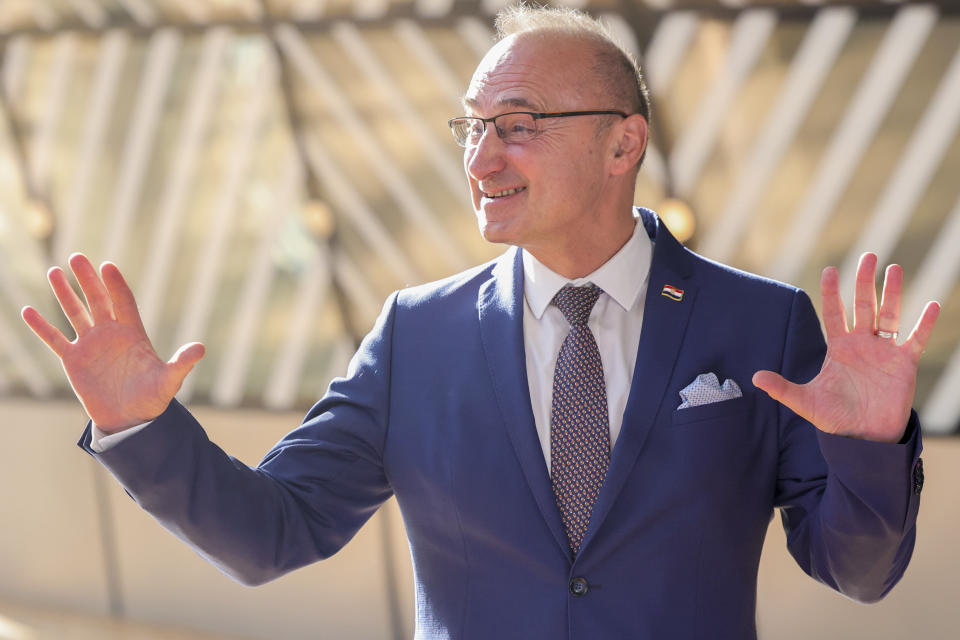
672 292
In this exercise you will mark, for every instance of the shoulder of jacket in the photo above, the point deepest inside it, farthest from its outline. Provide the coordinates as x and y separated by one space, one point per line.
465 283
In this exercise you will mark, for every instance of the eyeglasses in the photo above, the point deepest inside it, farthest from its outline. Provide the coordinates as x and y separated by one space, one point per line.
513 127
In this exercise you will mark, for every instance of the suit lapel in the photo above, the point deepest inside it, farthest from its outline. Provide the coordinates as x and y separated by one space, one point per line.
500 306
664 324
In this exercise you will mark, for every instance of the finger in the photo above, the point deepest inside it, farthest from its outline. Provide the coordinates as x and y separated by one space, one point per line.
917 341
50 335
865 297
185 358
70 302
889 317
834 315
98 300
781 390
124 304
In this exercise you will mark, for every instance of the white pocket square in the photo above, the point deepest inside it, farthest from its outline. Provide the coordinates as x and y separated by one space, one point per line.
706 389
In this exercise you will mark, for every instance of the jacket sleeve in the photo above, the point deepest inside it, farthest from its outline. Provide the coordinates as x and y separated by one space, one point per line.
848 506
306 499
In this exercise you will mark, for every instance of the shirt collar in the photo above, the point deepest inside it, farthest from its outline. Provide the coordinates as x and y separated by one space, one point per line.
622 277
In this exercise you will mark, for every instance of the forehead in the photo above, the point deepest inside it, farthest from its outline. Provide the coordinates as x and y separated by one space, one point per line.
536 72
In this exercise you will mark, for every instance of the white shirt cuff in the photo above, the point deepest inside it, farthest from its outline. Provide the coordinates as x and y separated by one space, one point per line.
100 441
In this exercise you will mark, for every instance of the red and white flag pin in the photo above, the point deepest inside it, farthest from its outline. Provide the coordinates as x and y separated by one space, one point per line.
672 292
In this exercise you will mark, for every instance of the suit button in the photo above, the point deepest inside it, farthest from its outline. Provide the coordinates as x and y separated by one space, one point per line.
579 587
918 476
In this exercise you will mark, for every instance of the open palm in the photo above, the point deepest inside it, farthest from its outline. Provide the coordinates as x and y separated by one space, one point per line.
866 386
111 364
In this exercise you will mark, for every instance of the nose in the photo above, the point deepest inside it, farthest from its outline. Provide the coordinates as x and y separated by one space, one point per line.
486 157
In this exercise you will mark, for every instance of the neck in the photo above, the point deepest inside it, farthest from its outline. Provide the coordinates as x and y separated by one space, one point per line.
584 251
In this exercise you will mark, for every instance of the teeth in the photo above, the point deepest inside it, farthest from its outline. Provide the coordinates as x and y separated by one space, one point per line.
508 192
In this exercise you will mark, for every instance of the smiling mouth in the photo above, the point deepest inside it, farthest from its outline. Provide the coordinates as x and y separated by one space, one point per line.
504 193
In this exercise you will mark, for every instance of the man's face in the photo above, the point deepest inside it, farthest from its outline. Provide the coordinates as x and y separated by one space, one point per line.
541 193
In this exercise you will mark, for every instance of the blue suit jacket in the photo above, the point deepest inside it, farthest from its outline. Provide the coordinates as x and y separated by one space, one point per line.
435 410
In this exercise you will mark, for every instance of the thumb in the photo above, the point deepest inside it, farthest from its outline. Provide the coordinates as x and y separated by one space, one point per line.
777 387
185 358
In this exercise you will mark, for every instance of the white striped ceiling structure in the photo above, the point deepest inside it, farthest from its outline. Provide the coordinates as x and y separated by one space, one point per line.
266 171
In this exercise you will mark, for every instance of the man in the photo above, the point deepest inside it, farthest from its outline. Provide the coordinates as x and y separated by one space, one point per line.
566 459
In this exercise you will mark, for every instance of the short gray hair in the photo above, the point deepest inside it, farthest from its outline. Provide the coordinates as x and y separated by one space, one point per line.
617 67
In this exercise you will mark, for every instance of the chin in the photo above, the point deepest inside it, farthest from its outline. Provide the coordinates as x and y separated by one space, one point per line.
495 232
494 237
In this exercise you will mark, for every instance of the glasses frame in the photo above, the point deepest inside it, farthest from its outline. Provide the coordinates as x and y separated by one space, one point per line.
536 116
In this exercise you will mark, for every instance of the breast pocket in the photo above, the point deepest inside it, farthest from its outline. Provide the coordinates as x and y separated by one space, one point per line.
720 449
735 409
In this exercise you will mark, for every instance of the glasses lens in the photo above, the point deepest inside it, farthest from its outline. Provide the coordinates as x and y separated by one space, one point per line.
516 127
466 131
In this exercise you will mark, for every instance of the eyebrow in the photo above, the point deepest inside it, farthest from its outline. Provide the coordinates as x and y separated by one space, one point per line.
520 103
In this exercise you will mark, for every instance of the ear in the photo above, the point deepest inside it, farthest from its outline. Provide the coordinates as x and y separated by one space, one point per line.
629 144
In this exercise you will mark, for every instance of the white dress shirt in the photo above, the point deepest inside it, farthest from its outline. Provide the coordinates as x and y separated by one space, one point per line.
100 441
615 321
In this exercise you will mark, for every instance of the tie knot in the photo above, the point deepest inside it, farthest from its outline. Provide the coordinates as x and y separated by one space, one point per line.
575 303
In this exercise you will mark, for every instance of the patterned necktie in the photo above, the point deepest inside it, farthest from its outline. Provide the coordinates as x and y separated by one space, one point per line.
579 421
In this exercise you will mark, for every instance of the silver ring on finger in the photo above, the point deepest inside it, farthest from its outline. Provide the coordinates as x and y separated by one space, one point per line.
886 335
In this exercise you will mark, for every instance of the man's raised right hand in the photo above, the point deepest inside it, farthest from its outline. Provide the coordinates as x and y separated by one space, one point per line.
111 364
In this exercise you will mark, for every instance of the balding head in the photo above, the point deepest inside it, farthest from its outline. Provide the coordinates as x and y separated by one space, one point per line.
618 75
565 191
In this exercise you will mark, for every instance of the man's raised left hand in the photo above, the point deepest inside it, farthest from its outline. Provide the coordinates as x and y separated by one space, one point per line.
866 386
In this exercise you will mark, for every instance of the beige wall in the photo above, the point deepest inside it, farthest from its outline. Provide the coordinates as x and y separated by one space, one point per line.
52 552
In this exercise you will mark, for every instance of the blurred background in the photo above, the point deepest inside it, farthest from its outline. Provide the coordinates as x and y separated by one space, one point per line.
266 172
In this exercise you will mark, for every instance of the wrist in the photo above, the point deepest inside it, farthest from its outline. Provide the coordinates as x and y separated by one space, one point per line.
120 425
113 430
